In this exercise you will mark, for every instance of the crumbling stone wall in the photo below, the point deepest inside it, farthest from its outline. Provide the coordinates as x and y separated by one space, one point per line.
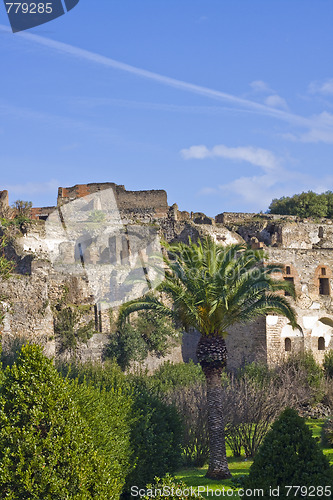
304 246
136 203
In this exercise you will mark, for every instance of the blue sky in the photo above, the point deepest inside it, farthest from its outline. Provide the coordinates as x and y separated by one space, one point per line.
225 104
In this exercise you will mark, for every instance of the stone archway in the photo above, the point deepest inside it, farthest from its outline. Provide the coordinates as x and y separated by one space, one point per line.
322 337
292 339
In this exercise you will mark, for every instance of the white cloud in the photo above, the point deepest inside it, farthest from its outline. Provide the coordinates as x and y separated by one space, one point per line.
33 188
321 131
256 156
260 86
275 101
257 192
325 87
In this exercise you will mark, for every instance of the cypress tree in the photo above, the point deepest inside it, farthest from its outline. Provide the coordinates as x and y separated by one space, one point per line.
290 456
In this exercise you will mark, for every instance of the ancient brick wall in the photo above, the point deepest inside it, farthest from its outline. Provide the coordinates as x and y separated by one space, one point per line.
134 202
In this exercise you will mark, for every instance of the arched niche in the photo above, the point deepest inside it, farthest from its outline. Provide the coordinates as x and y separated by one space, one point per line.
287 344
323 328
292 339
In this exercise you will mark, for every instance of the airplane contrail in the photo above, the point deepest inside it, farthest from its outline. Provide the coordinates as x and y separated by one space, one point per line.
165 80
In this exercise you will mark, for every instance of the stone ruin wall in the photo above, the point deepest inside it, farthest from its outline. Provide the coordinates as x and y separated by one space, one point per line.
304 246
314 310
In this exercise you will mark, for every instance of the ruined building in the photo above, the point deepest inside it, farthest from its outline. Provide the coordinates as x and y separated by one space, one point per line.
40 285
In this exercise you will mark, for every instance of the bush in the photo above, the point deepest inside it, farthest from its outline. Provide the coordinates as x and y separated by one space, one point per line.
169 487
289 456
170 376
328 363
155 428
46 447
106 376
156 438
148 332
259 373
110 419
327 433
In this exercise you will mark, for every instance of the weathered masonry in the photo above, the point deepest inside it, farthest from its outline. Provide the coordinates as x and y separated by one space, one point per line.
304 247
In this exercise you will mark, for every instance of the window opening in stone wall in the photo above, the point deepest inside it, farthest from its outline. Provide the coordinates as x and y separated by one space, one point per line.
81 254
96 317
323 271
321 232
100 321
321 344
287 294
288 270
287 344
324 286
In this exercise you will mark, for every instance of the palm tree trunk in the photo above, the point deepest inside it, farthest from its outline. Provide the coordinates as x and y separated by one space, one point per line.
212 356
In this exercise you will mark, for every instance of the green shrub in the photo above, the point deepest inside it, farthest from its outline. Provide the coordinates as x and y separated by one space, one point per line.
328 363
148 332
155 428
289 456
46 447
259 373
156 438
169 487
327 432
170 376
109 416
107 376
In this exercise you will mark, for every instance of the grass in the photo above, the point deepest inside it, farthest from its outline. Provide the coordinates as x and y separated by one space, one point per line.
195 476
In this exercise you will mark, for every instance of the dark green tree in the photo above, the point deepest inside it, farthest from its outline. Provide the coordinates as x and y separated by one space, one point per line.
156 438
328 364
148 332
46 447
306 204
209 287
290 456
329 197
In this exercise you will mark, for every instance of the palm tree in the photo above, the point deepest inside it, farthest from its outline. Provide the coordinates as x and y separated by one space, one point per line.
209 287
